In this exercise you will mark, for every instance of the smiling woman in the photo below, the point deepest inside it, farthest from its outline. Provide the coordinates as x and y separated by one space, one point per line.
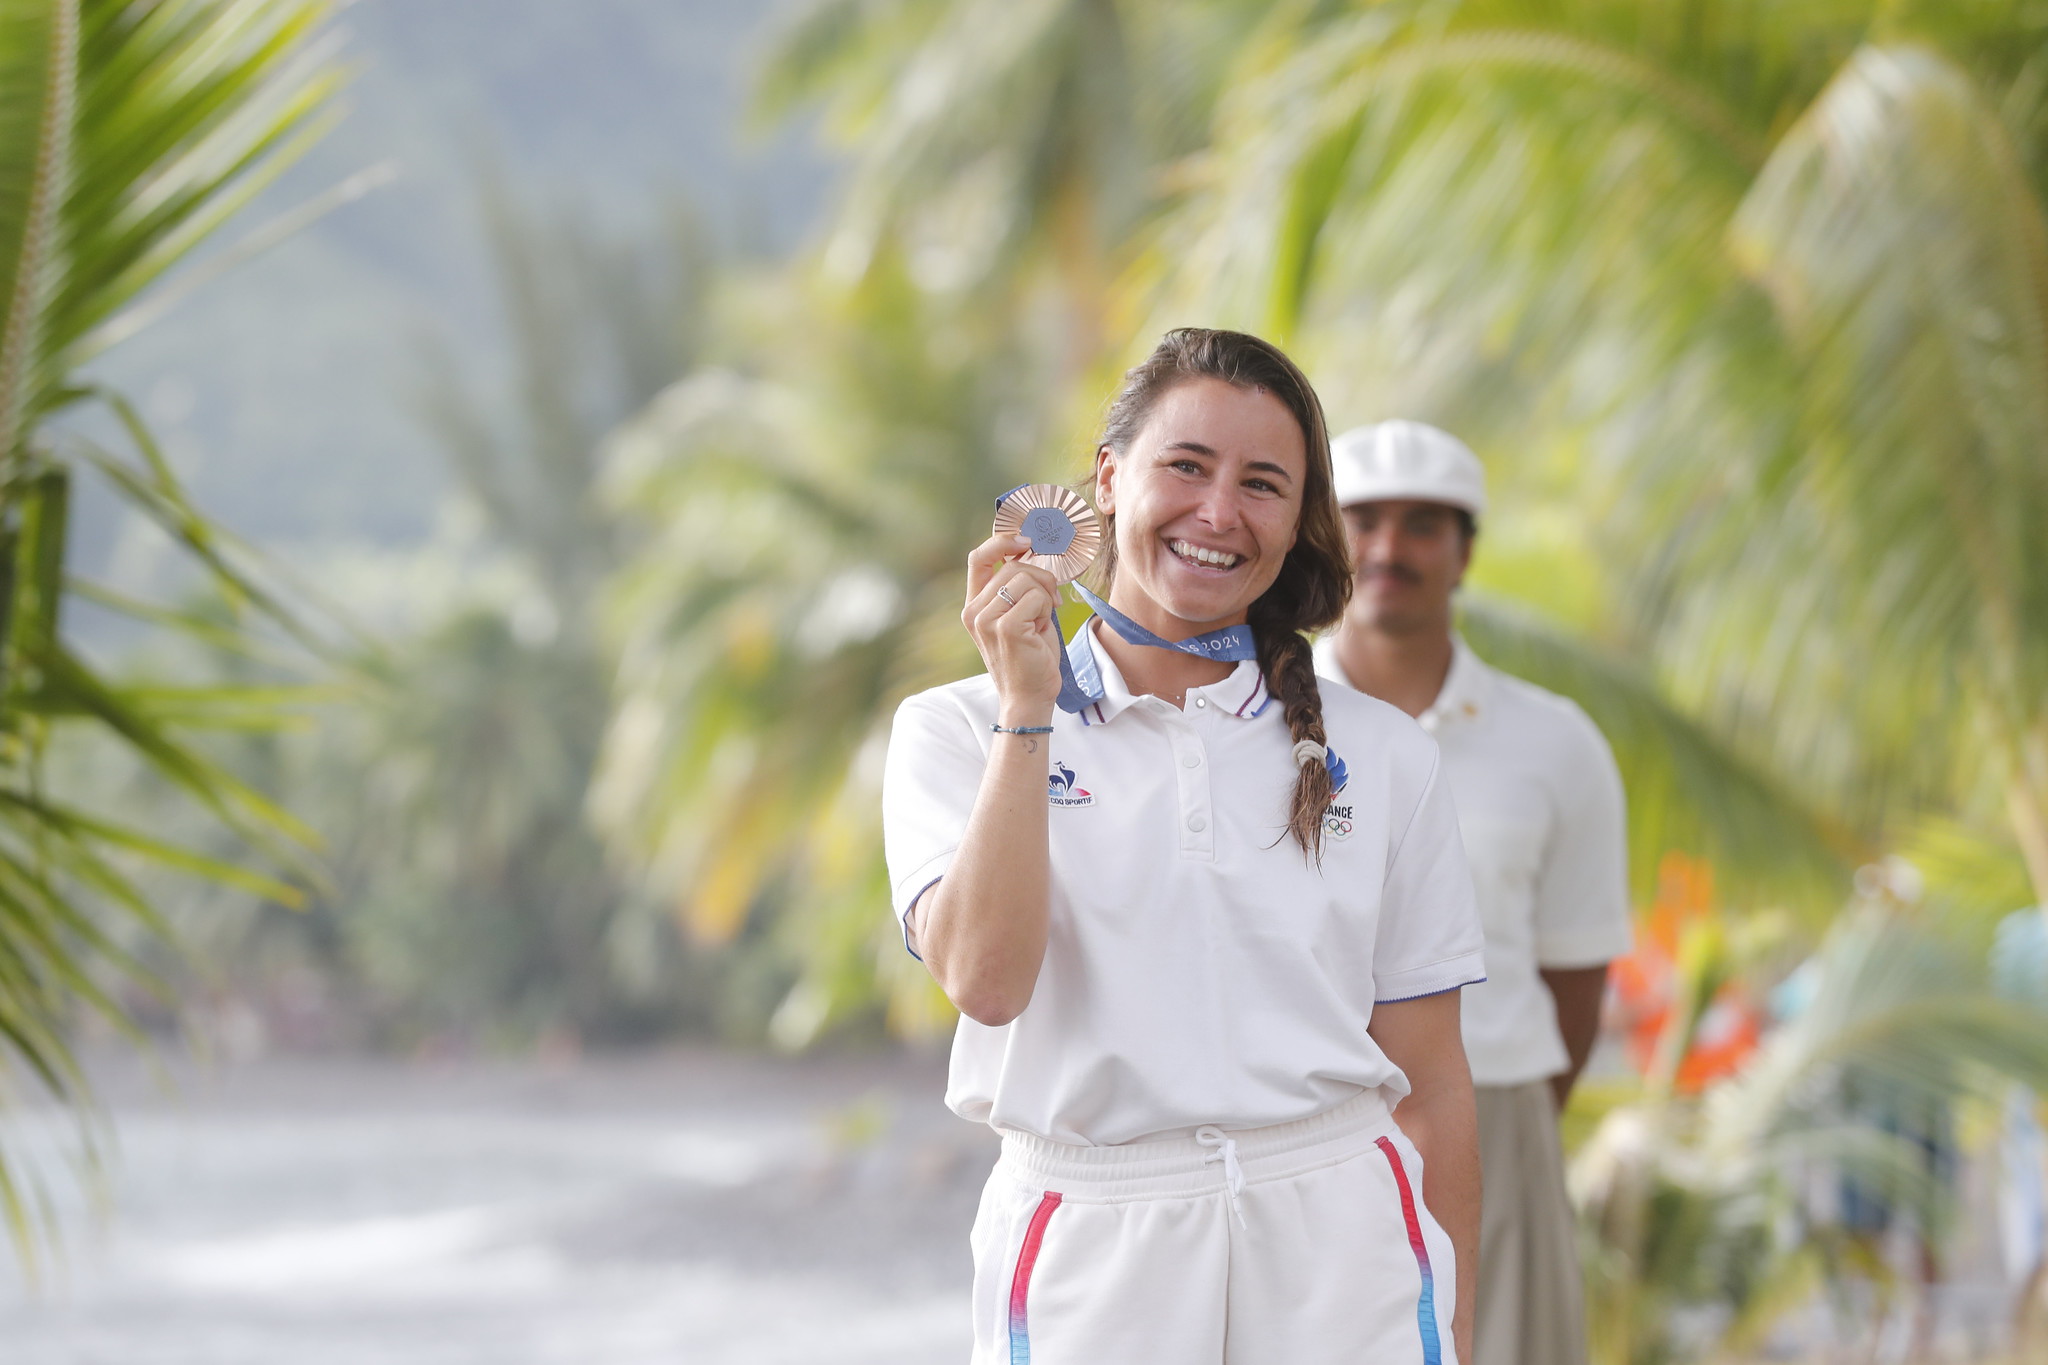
1213 435
1198 955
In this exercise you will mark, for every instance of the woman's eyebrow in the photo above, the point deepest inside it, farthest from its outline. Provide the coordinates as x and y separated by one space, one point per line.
1197 448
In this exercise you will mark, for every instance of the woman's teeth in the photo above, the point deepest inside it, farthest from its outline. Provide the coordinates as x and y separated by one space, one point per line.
1217 559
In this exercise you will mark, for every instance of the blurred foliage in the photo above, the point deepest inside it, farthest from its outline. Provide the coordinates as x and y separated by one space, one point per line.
129 133
467 903
994 142
1749 295
1711 1216
472 903
808 511
1687 788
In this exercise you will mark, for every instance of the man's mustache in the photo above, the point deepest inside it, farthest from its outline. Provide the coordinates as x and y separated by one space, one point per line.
1398 571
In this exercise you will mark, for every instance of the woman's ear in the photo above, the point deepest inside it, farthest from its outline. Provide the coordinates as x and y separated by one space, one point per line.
1105 479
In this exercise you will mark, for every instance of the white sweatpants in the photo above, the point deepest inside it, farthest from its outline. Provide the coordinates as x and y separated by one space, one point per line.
1305 1243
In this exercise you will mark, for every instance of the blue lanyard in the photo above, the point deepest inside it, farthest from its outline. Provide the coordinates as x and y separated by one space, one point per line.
1232 644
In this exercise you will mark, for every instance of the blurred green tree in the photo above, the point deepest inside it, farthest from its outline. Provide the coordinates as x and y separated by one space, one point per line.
1749 297
808 512
996 142
129 133
473 900
468 903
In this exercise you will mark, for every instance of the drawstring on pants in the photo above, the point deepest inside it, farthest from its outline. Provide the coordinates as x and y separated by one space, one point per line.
1224 1149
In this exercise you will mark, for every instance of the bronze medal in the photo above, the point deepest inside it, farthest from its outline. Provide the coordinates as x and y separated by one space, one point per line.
1064 532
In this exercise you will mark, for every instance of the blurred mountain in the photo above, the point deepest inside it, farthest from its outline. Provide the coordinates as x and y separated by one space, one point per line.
287 390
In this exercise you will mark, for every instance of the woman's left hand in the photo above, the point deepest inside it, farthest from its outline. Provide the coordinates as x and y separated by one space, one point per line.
1425 1039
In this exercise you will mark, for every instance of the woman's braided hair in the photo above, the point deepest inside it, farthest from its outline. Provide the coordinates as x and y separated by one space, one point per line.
1314 583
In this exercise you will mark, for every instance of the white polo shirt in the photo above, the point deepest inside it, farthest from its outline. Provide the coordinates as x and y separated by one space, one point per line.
1540 806
1199 968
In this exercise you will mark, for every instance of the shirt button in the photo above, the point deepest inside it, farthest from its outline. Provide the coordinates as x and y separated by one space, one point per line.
1197 823
1201 701
1191 760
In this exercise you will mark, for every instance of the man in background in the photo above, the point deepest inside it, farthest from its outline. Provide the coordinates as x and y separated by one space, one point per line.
1540 808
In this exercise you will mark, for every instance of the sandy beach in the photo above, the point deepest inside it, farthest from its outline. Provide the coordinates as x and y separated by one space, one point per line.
695 1206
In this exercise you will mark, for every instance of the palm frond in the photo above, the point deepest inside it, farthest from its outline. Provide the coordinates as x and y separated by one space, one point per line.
1893 1005
1908 251
129 131
186 110
1976 872
1687 789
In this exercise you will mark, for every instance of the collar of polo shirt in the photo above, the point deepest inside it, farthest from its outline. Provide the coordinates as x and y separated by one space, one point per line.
1242 694
1463 696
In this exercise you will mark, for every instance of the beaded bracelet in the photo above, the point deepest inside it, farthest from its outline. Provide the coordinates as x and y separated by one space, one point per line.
1021 729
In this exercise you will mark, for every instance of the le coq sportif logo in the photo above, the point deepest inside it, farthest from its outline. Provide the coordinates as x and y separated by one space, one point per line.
1062 790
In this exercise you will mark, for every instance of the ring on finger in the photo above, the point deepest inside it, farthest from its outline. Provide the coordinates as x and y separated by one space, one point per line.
1004 593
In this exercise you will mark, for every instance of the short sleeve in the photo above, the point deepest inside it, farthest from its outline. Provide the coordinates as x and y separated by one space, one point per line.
1581 911
1429 940
929 783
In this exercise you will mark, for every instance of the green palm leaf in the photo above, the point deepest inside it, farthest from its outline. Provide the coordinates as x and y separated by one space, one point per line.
129 131
1907 248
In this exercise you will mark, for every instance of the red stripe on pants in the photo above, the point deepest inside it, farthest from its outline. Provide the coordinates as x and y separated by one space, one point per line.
1020 1282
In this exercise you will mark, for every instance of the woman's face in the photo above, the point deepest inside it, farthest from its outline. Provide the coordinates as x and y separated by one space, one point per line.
1207 503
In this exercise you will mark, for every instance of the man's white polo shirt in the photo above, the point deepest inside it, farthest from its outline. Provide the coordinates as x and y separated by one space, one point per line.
1540 805
1200 969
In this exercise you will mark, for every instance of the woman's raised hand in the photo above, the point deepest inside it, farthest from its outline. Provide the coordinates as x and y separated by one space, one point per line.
1009 613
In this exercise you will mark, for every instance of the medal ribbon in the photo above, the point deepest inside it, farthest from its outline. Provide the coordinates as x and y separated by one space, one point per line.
1083 687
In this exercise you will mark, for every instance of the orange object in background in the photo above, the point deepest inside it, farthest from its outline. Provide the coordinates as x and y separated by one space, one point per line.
1727 1034
1644 985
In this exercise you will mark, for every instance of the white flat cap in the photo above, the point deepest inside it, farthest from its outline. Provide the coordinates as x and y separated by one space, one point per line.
1402 459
